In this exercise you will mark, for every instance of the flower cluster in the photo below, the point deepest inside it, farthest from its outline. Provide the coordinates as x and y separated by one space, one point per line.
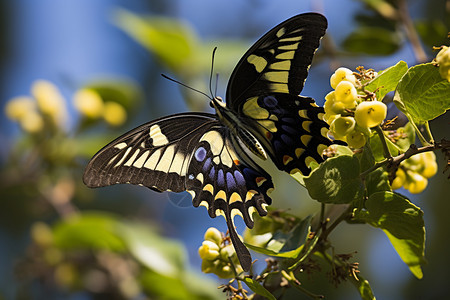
413 173
46 104
216 252
92 106
443 59
348 115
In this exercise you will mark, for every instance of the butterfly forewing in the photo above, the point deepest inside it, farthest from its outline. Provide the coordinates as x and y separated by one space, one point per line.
155 155
279 61
291 129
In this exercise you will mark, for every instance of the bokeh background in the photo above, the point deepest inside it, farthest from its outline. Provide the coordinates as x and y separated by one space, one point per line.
60 240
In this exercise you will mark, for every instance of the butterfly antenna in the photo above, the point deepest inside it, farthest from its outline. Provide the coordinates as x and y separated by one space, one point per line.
211 73
217 80
186 86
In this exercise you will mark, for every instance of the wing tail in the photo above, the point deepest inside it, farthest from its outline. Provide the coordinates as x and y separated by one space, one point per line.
242 252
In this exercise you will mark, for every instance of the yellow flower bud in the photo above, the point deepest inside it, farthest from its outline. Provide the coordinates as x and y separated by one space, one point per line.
114 113
356 139
399 179
213 234
32 122
18 107
208 250
49 100
416 183
89 103
342 74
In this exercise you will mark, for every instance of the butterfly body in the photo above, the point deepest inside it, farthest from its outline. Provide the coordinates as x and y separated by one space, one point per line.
210 155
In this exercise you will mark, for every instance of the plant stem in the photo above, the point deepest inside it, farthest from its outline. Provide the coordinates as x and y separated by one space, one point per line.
411 32
380 133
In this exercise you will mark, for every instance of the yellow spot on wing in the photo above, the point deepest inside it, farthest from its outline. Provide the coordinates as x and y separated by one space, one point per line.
309 160
209 188
281 32
120 146
123 157
141 160
251 210
279 87
281 65
269 125
260 180
293 46
177 164
252 109
303 113
287 159
286 55
153 160
299 152
166 159
159 139
259 62
132 158
306 125
277 76
200 177
235 197
221 195
250 195
305 139
321 148
236 212
215 140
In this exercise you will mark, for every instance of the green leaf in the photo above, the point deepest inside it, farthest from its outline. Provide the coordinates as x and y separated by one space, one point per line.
164 256
377 147
172 41
422 94
387 80
366 159
433 32
402 222
335 181
289 254
258 289
377 181
88 231
363 287
372 41
410 136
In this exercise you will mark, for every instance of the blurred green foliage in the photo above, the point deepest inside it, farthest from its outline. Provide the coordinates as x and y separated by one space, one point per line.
74 250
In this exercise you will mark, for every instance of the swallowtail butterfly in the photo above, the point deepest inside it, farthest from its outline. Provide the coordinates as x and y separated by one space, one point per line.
209 155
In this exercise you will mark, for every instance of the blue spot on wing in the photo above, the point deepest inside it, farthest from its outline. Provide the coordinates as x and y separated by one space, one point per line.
230 180
220 178
200 154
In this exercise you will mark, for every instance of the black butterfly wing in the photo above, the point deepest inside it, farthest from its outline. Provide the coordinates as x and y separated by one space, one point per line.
290 128
190 151
264 87
224 179
279 61
155 155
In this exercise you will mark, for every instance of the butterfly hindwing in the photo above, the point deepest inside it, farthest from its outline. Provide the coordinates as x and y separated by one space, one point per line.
278 61
290 127
227 182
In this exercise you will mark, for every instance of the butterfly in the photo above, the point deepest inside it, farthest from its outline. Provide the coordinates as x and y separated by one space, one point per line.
212 155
